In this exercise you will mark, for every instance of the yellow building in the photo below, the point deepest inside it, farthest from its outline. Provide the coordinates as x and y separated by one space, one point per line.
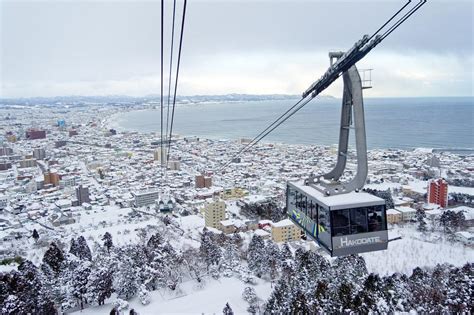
393 216
233 193
214 213
285 231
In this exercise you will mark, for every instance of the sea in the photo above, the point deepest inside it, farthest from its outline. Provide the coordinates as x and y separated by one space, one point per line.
442 123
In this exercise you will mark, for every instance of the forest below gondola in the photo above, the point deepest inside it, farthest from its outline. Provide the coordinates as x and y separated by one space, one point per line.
73 276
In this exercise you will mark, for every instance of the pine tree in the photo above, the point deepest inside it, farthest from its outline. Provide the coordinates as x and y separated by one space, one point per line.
420 218
155 241
249 295
54 257
35 235
13 305
299 304
227 310
29 286
144 295
286 252
83 250
272 259
107 239
126 279
230 255
256 255
209 250
51 285
100 285
74 248
79 282
460 289
367 299
280 298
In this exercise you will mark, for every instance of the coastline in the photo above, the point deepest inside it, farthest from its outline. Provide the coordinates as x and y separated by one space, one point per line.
115 121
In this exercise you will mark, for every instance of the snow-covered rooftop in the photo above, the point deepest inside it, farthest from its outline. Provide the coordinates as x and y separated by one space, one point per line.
352 199
283 223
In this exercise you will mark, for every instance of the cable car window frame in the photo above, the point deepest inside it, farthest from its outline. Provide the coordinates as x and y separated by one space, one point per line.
324 237
356 227
381 223
338 217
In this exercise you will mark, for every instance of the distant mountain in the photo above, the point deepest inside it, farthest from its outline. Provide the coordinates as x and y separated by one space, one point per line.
124 99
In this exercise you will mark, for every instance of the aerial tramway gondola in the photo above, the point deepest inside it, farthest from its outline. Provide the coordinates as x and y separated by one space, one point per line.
340 217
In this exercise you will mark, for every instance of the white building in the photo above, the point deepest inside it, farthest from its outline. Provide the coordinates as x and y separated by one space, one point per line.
408 213
39 153
464 237
145 197
67 181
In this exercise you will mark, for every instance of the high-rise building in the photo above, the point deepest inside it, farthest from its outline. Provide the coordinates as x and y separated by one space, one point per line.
51 178
438 192
39 153
145 197
214 213
27 163
202 181
207 181
82 194
159 157
199 181
174 165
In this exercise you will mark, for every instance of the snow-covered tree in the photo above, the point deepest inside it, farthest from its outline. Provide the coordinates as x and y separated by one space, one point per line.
420 217
74 248
280 299
256 255
249 295
35 235
155 241
460 289
13 305
84 252
209 249
230 255
227 310
272 259
100 284
144 295
126 279
107 239
79 282
54 257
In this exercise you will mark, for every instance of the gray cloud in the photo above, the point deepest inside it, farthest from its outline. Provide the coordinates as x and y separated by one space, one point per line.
112 47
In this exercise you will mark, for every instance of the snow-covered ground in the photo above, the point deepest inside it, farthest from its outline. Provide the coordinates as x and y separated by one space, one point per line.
416 250
194 300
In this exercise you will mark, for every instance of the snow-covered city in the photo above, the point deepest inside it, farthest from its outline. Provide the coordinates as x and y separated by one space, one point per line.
89 215
236 157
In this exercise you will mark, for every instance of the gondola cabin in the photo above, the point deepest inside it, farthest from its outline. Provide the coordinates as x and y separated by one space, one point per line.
342 224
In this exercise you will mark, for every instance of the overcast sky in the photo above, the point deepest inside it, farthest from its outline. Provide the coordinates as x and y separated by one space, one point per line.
68 47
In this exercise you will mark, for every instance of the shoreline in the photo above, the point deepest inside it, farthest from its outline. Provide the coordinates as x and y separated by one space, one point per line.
113 122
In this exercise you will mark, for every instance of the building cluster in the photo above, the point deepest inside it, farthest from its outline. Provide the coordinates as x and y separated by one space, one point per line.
62 162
